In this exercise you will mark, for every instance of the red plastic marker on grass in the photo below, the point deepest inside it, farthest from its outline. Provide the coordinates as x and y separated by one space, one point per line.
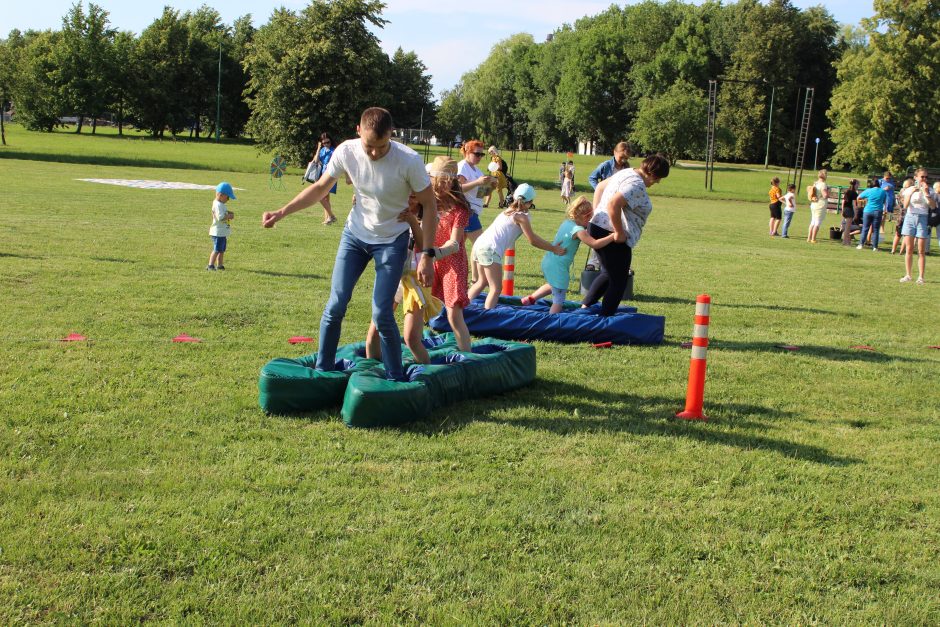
935 347
604 345
789 347
183 338
299 339
863 347
73 337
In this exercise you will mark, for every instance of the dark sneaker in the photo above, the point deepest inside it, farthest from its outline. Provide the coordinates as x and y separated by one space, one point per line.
221 267
210 267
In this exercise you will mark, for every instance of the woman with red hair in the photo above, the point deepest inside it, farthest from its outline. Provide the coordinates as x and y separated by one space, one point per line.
476 186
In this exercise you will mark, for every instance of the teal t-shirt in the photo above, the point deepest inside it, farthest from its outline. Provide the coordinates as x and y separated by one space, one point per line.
874 199
556 268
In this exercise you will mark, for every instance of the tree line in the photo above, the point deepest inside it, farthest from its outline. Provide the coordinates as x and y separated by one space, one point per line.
284 83
641 73
638 72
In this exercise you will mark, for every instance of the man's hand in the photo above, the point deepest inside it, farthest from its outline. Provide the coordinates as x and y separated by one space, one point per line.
270 218
426 271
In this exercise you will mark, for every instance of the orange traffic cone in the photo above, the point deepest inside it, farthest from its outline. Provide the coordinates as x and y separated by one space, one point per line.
509 272
695 394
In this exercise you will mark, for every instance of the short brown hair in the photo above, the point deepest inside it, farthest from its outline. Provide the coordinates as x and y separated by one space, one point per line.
376 119
656 165
623 146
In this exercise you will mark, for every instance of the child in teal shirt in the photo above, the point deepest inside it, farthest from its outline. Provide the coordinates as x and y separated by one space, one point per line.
557 268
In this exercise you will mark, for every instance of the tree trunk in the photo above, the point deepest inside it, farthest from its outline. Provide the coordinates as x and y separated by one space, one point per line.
81 120
3 130
94 125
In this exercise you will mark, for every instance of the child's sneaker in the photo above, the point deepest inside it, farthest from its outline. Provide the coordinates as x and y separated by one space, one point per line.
221 267
920 281
210 268
905 278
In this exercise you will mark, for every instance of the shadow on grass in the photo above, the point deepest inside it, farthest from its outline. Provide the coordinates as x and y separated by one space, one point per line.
292 275
589 411
109 160
113 260
823 352
672 300
20 256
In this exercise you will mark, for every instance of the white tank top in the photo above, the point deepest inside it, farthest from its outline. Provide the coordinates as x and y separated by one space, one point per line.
500 235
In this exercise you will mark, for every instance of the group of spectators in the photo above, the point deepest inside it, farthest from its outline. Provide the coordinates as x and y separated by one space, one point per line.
865 213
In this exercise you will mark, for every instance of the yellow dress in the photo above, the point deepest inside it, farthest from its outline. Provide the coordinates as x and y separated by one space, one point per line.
415 295
501 182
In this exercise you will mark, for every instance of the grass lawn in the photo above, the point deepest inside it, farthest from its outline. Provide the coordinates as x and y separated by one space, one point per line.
139 480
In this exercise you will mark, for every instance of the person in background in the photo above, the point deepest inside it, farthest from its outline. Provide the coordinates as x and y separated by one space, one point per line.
566 186
321 157
848 211
887 184
475 186
899 212
874 198
819 198
789 208
605 170
918 199
497 169
776 213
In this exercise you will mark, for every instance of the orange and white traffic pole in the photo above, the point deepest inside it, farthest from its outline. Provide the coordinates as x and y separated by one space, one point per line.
695 394
509 272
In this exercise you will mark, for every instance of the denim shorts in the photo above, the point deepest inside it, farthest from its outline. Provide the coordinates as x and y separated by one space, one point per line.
486 255
219 244
473 224
915 226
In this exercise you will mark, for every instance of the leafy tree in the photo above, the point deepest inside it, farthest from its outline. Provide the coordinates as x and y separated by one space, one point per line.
8 63
408 89
454 116
673 122
235 111
314 71
159 100
123 77
82 62
894 123
36 95
206 33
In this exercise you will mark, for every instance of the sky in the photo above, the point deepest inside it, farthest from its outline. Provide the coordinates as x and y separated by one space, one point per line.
451 38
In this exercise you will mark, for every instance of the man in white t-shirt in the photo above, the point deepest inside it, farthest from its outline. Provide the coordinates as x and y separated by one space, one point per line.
384 173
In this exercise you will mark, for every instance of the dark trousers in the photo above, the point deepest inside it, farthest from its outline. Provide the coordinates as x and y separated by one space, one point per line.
615 269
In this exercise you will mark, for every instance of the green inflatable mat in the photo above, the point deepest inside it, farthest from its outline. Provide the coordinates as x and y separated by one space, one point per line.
292 386
492 367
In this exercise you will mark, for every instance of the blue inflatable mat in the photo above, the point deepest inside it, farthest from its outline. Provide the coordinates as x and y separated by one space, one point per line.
510 320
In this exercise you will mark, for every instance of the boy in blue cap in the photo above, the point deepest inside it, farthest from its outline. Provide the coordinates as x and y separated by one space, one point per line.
221 225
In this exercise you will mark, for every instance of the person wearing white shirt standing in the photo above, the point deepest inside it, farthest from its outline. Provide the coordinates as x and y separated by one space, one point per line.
917 200
221 226
476 187
384 173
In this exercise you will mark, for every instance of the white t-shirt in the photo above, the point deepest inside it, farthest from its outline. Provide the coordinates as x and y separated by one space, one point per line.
475 195
220 226
630 185
919 205
502 234
822 193
789 202
381 187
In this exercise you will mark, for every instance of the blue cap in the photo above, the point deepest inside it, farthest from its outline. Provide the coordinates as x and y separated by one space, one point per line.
225 188
525 191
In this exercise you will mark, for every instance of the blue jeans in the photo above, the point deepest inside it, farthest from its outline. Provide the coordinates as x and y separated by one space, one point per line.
351 260
871 221
787 219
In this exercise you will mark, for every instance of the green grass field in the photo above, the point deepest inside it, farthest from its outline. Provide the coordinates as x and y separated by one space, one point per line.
140 481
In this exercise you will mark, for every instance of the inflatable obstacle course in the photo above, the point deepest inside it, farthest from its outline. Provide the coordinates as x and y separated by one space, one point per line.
369 399
511 320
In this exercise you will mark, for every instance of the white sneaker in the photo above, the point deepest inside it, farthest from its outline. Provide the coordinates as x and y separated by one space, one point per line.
920 281
906 278
859 247
874 250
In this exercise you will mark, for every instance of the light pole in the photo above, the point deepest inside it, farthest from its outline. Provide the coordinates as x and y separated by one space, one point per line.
218 97
770 119
817 153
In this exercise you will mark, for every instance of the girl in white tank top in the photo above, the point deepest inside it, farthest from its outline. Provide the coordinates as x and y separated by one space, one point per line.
489 248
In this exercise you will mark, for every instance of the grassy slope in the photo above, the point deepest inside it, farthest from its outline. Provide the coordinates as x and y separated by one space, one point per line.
139 480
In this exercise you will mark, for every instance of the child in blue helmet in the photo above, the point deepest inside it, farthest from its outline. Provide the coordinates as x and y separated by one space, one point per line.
221 225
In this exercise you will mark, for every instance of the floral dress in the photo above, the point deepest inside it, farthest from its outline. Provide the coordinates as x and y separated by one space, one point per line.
450 273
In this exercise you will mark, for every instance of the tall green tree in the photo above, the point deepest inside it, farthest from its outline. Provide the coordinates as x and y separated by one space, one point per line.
8 63
37 97
235 111
673 122
408 90
896 124
205 36
82 62
454 116
314 71
160 100
123 77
